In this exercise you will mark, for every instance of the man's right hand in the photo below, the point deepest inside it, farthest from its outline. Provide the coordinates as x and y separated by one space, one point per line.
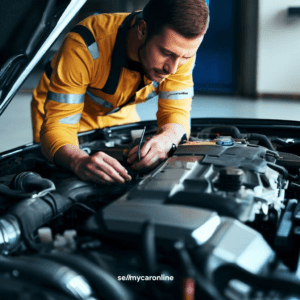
99 167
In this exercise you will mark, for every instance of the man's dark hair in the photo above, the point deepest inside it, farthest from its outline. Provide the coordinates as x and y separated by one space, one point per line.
187 17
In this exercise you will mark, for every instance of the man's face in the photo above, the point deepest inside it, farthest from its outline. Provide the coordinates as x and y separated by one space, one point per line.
164 53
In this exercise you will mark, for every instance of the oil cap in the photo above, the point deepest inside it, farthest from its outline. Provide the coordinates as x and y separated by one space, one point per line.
224 141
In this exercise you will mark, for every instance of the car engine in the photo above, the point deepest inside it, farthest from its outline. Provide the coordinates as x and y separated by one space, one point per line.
219 219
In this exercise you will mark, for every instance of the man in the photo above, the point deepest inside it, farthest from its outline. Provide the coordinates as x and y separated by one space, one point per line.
105 66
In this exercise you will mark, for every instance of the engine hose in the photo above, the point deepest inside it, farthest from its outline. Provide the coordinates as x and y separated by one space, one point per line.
280 141
283 171
30 182
207 289
27 185
41 271
13 194
149 249
105 285
282 283
272 154
149 260
261 138
17 288
26 217
222 130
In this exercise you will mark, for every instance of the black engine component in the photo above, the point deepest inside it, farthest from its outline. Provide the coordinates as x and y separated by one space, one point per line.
196 222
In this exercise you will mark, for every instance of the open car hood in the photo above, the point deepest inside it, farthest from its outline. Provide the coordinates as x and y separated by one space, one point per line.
28 30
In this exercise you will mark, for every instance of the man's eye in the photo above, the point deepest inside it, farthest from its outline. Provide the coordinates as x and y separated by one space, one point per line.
166 54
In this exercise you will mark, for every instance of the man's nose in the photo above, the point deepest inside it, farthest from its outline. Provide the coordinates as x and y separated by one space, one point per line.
171 65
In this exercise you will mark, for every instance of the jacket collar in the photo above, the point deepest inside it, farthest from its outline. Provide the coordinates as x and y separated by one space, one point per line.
119 55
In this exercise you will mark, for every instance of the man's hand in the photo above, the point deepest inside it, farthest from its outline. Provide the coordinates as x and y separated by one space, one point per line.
157 149
99 168
152 154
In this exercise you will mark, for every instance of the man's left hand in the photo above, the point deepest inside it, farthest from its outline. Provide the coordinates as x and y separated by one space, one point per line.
152 153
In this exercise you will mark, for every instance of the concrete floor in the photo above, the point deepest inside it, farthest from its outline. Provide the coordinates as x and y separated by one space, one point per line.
15 124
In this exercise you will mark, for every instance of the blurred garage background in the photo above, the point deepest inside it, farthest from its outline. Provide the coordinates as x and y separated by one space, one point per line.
247 66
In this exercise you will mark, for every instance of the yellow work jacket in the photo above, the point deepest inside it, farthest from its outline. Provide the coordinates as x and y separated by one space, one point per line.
90 78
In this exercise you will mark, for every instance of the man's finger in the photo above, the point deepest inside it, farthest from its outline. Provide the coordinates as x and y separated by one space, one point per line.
134 155
150 160
99 176
98 180
110 173
146 148
133 151
115 169
132 158
142 166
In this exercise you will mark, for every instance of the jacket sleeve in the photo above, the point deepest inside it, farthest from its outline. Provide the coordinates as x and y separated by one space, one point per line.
72 72
175 97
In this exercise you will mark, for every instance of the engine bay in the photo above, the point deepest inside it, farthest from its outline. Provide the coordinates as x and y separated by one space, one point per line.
219 219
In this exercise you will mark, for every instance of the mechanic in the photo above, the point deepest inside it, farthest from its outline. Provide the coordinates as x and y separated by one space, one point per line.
105 66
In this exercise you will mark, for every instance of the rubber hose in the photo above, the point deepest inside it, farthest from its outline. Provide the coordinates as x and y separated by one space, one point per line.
29 182
227 272
149 249
105 284
279 169
208 290
18 289
261 138
8 192
223 131
56 275
149 261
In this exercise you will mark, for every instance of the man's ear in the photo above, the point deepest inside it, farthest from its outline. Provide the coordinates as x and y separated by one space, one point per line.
142 30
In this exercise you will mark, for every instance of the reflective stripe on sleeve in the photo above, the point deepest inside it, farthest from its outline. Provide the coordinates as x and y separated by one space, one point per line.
177 95
66 98
71 120
151 96
94 50
99 100
88 38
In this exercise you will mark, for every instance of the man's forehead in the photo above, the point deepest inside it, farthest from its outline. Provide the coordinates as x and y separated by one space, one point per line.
173 42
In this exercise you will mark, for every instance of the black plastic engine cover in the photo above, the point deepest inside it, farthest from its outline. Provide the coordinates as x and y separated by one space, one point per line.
189 180
183 202
250 157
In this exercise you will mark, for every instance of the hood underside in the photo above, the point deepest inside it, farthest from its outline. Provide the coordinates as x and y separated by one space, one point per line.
28 30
